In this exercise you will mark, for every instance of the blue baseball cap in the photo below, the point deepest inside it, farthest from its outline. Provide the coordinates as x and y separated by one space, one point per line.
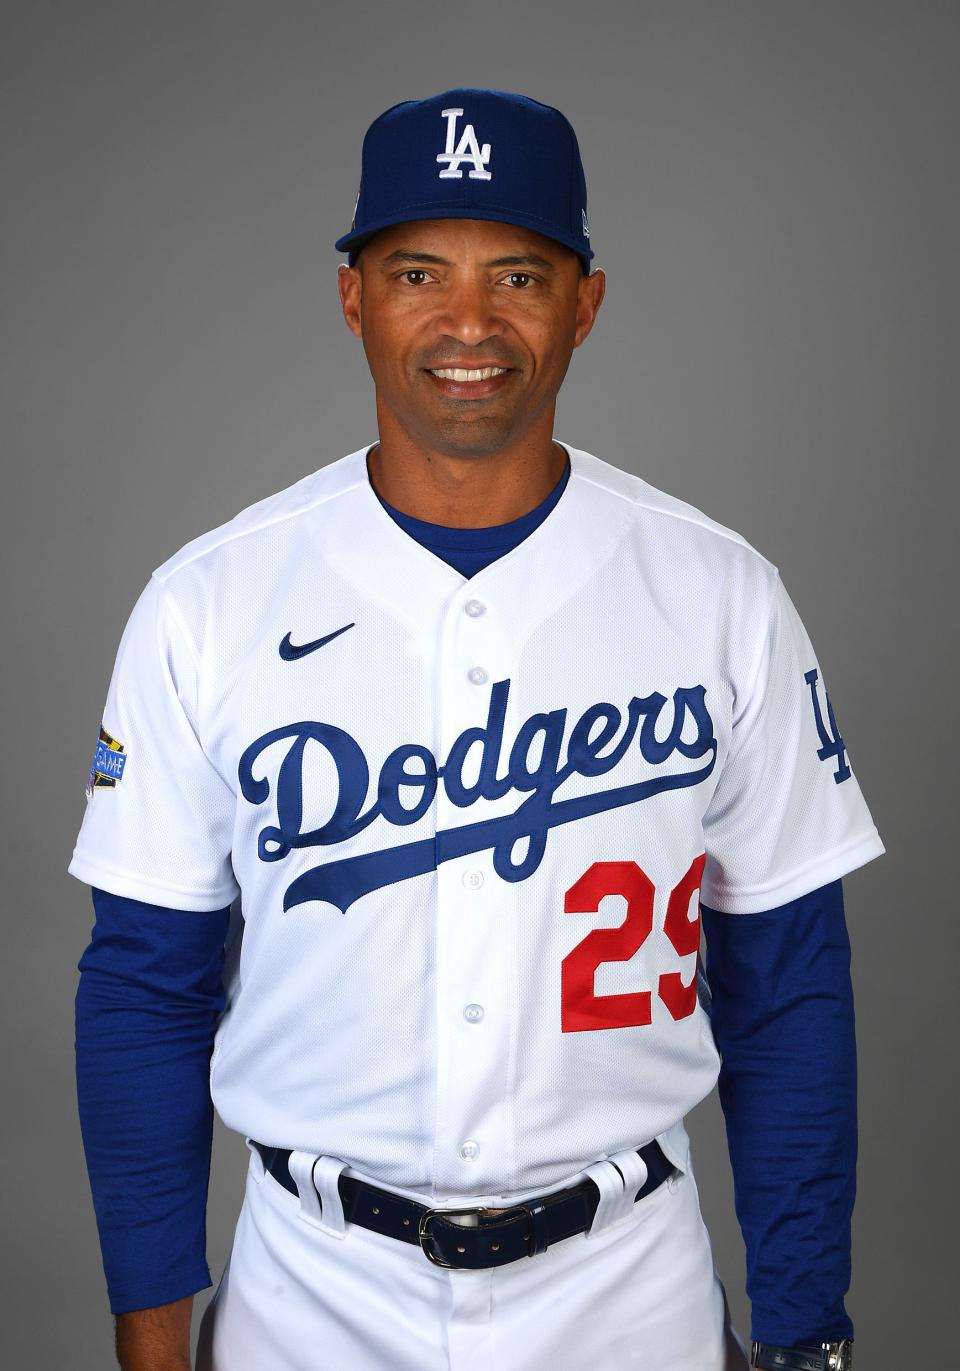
472 154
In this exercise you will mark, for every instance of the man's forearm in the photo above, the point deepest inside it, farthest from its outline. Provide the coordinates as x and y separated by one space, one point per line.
783 1021
147 1002
156 1339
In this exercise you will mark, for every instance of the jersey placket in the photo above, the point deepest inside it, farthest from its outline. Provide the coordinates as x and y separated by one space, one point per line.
475 938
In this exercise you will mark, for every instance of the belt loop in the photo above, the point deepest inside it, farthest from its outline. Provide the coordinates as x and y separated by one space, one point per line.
326 1175
301 1166
618 1179
634 1171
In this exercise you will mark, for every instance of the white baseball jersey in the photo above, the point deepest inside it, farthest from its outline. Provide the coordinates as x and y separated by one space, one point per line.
467 821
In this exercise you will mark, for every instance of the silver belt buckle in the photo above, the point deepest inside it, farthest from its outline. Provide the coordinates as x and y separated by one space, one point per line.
423 1229
839 1355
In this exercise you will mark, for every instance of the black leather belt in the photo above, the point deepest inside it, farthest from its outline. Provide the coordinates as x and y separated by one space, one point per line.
471 1239
824 1356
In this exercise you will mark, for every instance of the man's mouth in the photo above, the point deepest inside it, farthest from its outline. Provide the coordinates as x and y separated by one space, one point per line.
469 383
463 374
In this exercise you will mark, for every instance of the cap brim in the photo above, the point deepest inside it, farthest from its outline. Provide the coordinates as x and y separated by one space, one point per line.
352 242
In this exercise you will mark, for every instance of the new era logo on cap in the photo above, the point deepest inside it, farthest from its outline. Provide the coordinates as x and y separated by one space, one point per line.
472 154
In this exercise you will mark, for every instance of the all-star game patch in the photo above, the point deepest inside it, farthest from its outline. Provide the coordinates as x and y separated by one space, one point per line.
108 763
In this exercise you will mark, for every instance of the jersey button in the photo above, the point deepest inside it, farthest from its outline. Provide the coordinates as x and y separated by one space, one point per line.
473 880
473 1013
475 608
470 1150
477 675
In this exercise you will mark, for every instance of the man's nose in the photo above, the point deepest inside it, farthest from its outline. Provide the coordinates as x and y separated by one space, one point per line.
471 314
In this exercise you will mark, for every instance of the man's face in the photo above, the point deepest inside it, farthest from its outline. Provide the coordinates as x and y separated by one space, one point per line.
435 299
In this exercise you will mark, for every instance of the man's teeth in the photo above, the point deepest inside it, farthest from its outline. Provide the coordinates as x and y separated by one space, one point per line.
461 374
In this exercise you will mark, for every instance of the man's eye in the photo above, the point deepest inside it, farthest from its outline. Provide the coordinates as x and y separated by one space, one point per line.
414 277
519 279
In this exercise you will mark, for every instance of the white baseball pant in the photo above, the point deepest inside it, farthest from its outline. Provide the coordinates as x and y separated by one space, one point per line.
303 1291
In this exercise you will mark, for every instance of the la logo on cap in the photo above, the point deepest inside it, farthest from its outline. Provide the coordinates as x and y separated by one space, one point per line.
467 150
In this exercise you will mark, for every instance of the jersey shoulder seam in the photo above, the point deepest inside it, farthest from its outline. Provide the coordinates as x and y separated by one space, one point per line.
641 498
236 528
707 524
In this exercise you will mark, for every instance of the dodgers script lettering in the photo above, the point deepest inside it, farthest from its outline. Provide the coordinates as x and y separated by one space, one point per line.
410 775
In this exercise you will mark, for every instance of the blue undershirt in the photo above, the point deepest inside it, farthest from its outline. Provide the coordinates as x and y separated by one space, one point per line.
151 992
469 550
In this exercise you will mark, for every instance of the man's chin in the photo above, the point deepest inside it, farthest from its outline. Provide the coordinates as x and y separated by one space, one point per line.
477 436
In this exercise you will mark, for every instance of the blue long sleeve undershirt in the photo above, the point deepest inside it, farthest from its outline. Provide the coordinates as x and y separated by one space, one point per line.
151 990
783 1020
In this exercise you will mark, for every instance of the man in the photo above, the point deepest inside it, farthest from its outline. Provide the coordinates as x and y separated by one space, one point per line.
447 742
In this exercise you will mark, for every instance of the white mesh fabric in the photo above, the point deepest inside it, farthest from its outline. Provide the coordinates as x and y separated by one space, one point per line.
163 832
780 823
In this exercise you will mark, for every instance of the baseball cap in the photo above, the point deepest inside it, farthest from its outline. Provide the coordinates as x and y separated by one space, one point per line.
472 154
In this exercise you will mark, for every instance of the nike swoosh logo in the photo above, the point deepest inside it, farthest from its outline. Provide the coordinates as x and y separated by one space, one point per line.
291 652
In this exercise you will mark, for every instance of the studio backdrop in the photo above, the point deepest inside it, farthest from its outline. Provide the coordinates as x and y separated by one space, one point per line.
773 196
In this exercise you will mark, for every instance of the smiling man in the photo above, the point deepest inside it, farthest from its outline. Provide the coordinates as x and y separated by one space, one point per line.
416 787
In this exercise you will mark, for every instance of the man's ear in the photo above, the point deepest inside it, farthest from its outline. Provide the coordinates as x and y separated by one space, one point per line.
350 286
590 293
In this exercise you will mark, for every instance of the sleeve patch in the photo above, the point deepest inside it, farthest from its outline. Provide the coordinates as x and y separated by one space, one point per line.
108 763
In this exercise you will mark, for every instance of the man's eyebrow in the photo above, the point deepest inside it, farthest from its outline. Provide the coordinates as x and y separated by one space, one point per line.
418 258
526 259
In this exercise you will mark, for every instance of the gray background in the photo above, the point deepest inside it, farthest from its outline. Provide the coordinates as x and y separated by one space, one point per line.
773 195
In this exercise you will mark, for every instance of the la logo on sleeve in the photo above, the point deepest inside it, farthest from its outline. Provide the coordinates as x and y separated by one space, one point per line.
832 745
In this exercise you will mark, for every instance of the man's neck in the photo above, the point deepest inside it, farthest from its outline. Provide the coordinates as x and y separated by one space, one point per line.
465 491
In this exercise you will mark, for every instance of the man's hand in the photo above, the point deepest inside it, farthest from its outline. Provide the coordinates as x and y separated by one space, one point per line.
156 1339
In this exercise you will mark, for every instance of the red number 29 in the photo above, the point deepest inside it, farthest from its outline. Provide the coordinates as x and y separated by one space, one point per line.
580 1007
